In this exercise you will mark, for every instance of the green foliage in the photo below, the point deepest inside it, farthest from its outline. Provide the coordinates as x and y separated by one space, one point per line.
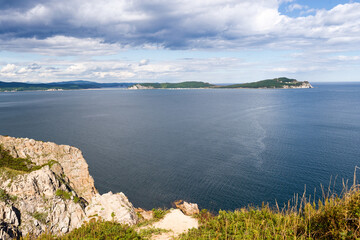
159 213
76 199
148 232
331 218
269 83
97 230
190 84
40 216
63 194
5 197
19 164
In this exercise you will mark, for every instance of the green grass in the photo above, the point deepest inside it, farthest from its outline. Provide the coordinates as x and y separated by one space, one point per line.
332 218
14 166
159 213
64 195
100 230
5 197
40 216
19 164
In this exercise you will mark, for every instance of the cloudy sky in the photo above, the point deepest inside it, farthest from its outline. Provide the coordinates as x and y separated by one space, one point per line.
218 41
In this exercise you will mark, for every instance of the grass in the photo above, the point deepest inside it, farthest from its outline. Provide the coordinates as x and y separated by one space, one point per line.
64 195
100 230
333 217
21 165
5 197
40 216
159 213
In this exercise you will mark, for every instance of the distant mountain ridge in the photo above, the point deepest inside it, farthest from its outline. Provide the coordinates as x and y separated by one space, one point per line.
282 82
70 85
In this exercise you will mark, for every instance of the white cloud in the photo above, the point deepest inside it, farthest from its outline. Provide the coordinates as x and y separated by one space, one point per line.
9 68
92 27
296 6
144 62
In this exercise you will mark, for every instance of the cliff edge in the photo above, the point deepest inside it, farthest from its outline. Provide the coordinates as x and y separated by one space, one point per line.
47 187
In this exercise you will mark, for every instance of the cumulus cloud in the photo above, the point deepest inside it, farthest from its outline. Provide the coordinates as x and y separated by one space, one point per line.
144 62
98 27
121 71
8 68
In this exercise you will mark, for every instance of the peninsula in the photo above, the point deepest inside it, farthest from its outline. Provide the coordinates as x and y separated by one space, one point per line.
58 86
79 85
282 82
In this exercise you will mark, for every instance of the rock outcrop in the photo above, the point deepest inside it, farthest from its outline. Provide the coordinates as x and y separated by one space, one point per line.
70 158
57 196
106 207
304 84
187 208
139 86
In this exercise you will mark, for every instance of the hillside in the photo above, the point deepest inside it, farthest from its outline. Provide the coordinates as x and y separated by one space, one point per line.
71 85
269 83
272 83
171 85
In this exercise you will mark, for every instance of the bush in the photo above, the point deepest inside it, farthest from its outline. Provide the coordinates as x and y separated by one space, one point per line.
63 194
99 230
159 213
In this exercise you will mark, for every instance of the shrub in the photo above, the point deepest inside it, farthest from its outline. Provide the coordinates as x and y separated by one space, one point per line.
159 213
63 194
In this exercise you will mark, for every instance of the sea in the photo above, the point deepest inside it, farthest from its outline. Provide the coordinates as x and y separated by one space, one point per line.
220 148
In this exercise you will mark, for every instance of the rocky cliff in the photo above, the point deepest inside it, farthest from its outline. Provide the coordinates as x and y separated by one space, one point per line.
47 187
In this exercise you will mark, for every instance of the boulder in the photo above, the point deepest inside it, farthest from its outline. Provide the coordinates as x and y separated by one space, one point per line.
112 207
187 208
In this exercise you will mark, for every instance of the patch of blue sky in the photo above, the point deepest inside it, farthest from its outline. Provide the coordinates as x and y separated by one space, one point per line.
19 57
300 8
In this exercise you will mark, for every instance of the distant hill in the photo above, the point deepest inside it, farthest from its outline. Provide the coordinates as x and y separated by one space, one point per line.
282 82
70 85
172 85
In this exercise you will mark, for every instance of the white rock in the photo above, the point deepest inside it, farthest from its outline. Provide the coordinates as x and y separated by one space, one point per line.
110 207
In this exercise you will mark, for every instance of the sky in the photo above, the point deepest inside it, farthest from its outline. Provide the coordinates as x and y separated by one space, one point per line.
216 41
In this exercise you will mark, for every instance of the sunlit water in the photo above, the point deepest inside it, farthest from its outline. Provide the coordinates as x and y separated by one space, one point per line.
222 149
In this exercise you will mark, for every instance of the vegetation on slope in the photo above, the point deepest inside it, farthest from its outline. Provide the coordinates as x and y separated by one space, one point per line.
12 165
269 83
19 164
178 85
71 85
333 217
103 230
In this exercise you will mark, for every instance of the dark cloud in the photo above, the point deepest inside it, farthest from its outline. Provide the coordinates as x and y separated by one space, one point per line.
34 66
181 24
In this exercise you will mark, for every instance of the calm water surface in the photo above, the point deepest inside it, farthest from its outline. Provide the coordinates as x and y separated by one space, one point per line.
222 149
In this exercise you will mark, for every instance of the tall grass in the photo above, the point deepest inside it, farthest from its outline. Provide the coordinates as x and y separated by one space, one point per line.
330 217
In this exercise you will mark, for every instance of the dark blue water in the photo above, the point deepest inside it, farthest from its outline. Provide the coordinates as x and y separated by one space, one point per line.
223 149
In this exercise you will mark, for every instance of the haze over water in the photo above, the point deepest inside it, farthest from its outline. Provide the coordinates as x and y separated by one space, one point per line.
223 149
